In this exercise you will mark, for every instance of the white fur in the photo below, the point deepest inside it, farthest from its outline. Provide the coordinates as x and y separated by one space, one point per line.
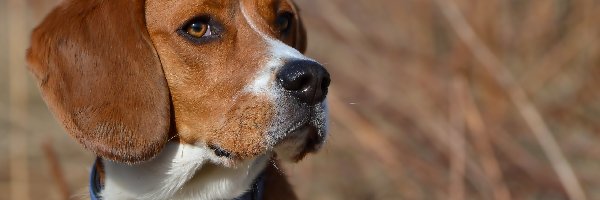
264 84
181 171
279 52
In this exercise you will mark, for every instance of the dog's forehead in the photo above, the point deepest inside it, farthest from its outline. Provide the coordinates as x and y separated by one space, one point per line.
185 9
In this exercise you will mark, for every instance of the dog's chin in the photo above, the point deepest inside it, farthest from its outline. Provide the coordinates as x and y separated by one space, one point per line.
305 131
300 142
293 148
296 131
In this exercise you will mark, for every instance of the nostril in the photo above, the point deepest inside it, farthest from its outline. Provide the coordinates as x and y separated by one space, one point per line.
294 81
304 82
325 83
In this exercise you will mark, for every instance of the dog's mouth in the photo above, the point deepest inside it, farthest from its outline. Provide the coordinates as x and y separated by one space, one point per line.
295 131
312 142
300 142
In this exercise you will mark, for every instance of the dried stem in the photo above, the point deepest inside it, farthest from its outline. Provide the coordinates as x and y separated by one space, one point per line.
483 144
456 143
56 169
18 99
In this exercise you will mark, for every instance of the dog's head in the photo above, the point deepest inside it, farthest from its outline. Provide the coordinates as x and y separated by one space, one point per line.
126 76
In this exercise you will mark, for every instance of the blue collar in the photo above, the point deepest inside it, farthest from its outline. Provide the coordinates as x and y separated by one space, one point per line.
256 192
95 184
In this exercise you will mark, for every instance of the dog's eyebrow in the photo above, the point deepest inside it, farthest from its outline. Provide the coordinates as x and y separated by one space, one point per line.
214 4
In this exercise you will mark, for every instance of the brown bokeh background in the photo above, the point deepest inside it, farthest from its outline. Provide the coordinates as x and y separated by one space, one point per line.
431 99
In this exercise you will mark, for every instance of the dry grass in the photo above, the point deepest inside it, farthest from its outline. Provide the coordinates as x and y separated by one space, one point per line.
446 99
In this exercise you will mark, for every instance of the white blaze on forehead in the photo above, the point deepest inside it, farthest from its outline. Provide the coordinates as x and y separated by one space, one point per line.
279 52
287 117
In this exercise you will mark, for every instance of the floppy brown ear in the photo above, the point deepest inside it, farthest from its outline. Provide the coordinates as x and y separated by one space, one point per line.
300 41
101 77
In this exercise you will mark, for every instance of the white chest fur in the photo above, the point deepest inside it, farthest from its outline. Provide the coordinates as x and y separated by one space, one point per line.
181 171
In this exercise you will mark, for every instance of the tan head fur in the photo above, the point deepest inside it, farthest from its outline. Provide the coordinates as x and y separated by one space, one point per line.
123 77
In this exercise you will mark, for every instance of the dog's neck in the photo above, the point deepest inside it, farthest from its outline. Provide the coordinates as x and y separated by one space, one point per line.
181 171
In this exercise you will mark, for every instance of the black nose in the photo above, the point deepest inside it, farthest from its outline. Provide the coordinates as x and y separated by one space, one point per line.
305 79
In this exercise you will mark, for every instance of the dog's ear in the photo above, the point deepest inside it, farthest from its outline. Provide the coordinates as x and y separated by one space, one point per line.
101 77
300 41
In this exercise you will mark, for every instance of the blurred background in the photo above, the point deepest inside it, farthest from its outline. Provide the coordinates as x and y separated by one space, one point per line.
431 99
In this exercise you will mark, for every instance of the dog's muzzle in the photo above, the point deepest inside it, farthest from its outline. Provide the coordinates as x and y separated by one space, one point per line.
299 124
305 85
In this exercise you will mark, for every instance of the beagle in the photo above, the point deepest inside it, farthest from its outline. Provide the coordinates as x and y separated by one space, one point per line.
183 99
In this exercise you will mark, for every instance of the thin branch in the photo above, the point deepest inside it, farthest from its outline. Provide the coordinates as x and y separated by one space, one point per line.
456 142
483 144
56 169
18 98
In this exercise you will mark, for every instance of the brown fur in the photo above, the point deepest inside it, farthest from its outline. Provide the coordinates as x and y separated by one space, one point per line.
121 80
100 76
222 69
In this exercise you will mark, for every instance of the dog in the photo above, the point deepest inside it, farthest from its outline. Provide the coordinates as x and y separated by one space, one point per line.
183 99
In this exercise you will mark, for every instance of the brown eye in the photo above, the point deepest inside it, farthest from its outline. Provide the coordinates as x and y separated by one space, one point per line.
284 22
201 30
198 29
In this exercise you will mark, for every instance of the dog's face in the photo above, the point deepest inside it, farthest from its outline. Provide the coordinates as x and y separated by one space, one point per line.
222 60
226 74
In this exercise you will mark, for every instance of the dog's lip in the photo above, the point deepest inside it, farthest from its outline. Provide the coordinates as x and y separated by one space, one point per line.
307 133
311 143
303 140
